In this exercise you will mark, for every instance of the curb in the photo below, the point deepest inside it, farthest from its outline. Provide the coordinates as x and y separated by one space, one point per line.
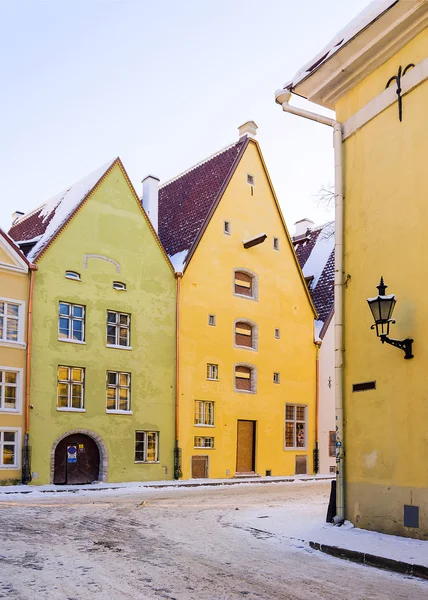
370 560
183 484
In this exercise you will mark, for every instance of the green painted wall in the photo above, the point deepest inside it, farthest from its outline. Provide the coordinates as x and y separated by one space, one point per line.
111 224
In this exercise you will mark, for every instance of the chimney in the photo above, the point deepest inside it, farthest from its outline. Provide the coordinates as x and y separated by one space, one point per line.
16 216
302 226
249 128
150 198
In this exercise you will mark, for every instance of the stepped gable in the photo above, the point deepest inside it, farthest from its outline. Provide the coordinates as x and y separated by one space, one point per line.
185 202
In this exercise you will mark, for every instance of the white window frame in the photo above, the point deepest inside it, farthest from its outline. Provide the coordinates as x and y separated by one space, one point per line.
255 284
119 286
21 324
17 432
211 320
201 446
201 413
72 275
18 408
117 326
69 382
145 461
295 421
212 370
276 243
72 318
276 377
117 387
227 228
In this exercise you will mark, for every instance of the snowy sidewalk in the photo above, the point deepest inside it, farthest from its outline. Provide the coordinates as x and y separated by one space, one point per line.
135 486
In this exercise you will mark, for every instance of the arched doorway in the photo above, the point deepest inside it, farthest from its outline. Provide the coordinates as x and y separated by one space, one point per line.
76 460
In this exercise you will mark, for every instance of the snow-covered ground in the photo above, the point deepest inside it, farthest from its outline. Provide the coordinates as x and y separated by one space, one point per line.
203 543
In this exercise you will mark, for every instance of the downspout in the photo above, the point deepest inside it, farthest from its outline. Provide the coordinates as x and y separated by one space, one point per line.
282 97
177 458
318 345
26 470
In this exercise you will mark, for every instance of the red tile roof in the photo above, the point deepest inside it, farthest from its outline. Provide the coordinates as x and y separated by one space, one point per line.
306 246
186 201
30 226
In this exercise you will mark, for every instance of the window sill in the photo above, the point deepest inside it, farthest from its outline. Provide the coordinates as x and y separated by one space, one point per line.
71 341
11 467
244 296
119 347
245 348
245 391
11 411
10 344
119 412
82 410
212 379
201 448
147 462
203 425
295 449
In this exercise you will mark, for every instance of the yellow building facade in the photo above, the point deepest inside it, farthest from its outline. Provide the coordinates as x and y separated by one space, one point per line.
14 290
380 100
246 370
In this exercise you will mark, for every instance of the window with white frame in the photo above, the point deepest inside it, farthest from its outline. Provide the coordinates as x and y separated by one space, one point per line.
204 413
276 377
9 389
147 446
212 371
70 394
211 320
118 391
74 275
295 426
203 442
71 322
11 321
118 329
9 450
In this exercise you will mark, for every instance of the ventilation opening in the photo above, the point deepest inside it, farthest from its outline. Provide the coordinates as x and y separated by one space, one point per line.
118 285
268 473
277 334
73 275
411 516
362 387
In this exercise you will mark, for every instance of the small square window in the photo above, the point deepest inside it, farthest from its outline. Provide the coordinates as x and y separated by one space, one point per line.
227 227
276 377
276 243
332 469
211 320
277 334
250 179
212 371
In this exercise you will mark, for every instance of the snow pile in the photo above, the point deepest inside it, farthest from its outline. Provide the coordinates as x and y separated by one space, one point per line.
179 260
362 20
63 205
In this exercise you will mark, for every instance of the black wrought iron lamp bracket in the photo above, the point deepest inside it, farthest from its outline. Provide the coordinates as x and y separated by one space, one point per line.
405 345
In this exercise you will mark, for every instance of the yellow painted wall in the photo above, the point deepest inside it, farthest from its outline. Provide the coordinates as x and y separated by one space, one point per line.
207 288
386 441
14 286
111 224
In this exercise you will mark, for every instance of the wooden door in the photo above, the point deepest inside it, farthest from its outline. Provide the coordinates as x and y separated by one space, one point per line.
199 467
301 465
245 448
77 460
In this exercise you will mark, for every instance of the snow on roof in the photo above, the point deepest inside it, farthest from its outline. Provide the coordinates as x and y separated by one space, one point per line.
55 212
369 14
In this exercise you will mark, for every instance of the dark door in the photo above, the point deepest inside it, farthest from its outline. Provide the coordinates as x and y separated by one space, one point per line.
245 449
301 464
77 460
199 467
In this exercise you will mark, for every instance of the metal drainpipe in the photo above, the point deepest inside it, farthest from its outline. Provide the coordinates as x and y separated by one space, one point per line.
177 466
26 471
282 97
318 345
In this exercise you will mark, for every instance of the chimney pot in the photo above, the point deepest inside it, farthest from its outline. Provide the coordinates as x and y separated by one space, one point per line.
16 216
249 128
302 226
151 198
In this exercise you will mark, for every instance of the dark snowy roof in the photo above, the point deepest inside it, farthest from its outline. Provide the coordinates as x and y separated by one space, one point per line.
315 252
186 201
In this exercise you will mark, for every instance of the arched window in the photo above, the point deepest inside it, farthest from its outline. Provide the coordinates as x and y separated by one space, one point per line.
243 284
245 378
245 334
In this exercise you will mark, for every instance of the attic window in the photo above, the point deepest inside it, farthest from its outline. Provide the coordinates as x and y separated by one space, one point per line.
118 285
276 243
227 227
211 320
276 377
73 275
309 280
250 179
277 334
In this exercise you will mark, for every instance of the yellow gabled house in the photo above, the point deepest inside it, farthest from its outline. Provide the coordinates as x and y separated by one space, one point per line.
246 353
374 74
14 291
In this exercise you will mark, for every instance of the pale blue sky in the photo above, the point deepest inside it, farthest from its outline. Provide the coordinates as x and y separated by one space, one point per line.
162 84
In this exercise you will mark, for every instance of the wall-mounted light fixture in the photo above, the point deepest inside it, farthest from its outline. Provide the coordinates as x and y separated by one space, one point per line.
382 308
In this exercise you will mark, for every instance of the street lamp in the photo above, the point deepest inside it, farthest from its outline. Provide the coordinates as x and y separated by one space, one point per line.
382 308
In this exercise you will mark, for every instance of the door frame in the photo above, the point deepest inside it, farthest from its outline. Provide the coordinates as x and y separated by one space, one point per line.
102 449
253 458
